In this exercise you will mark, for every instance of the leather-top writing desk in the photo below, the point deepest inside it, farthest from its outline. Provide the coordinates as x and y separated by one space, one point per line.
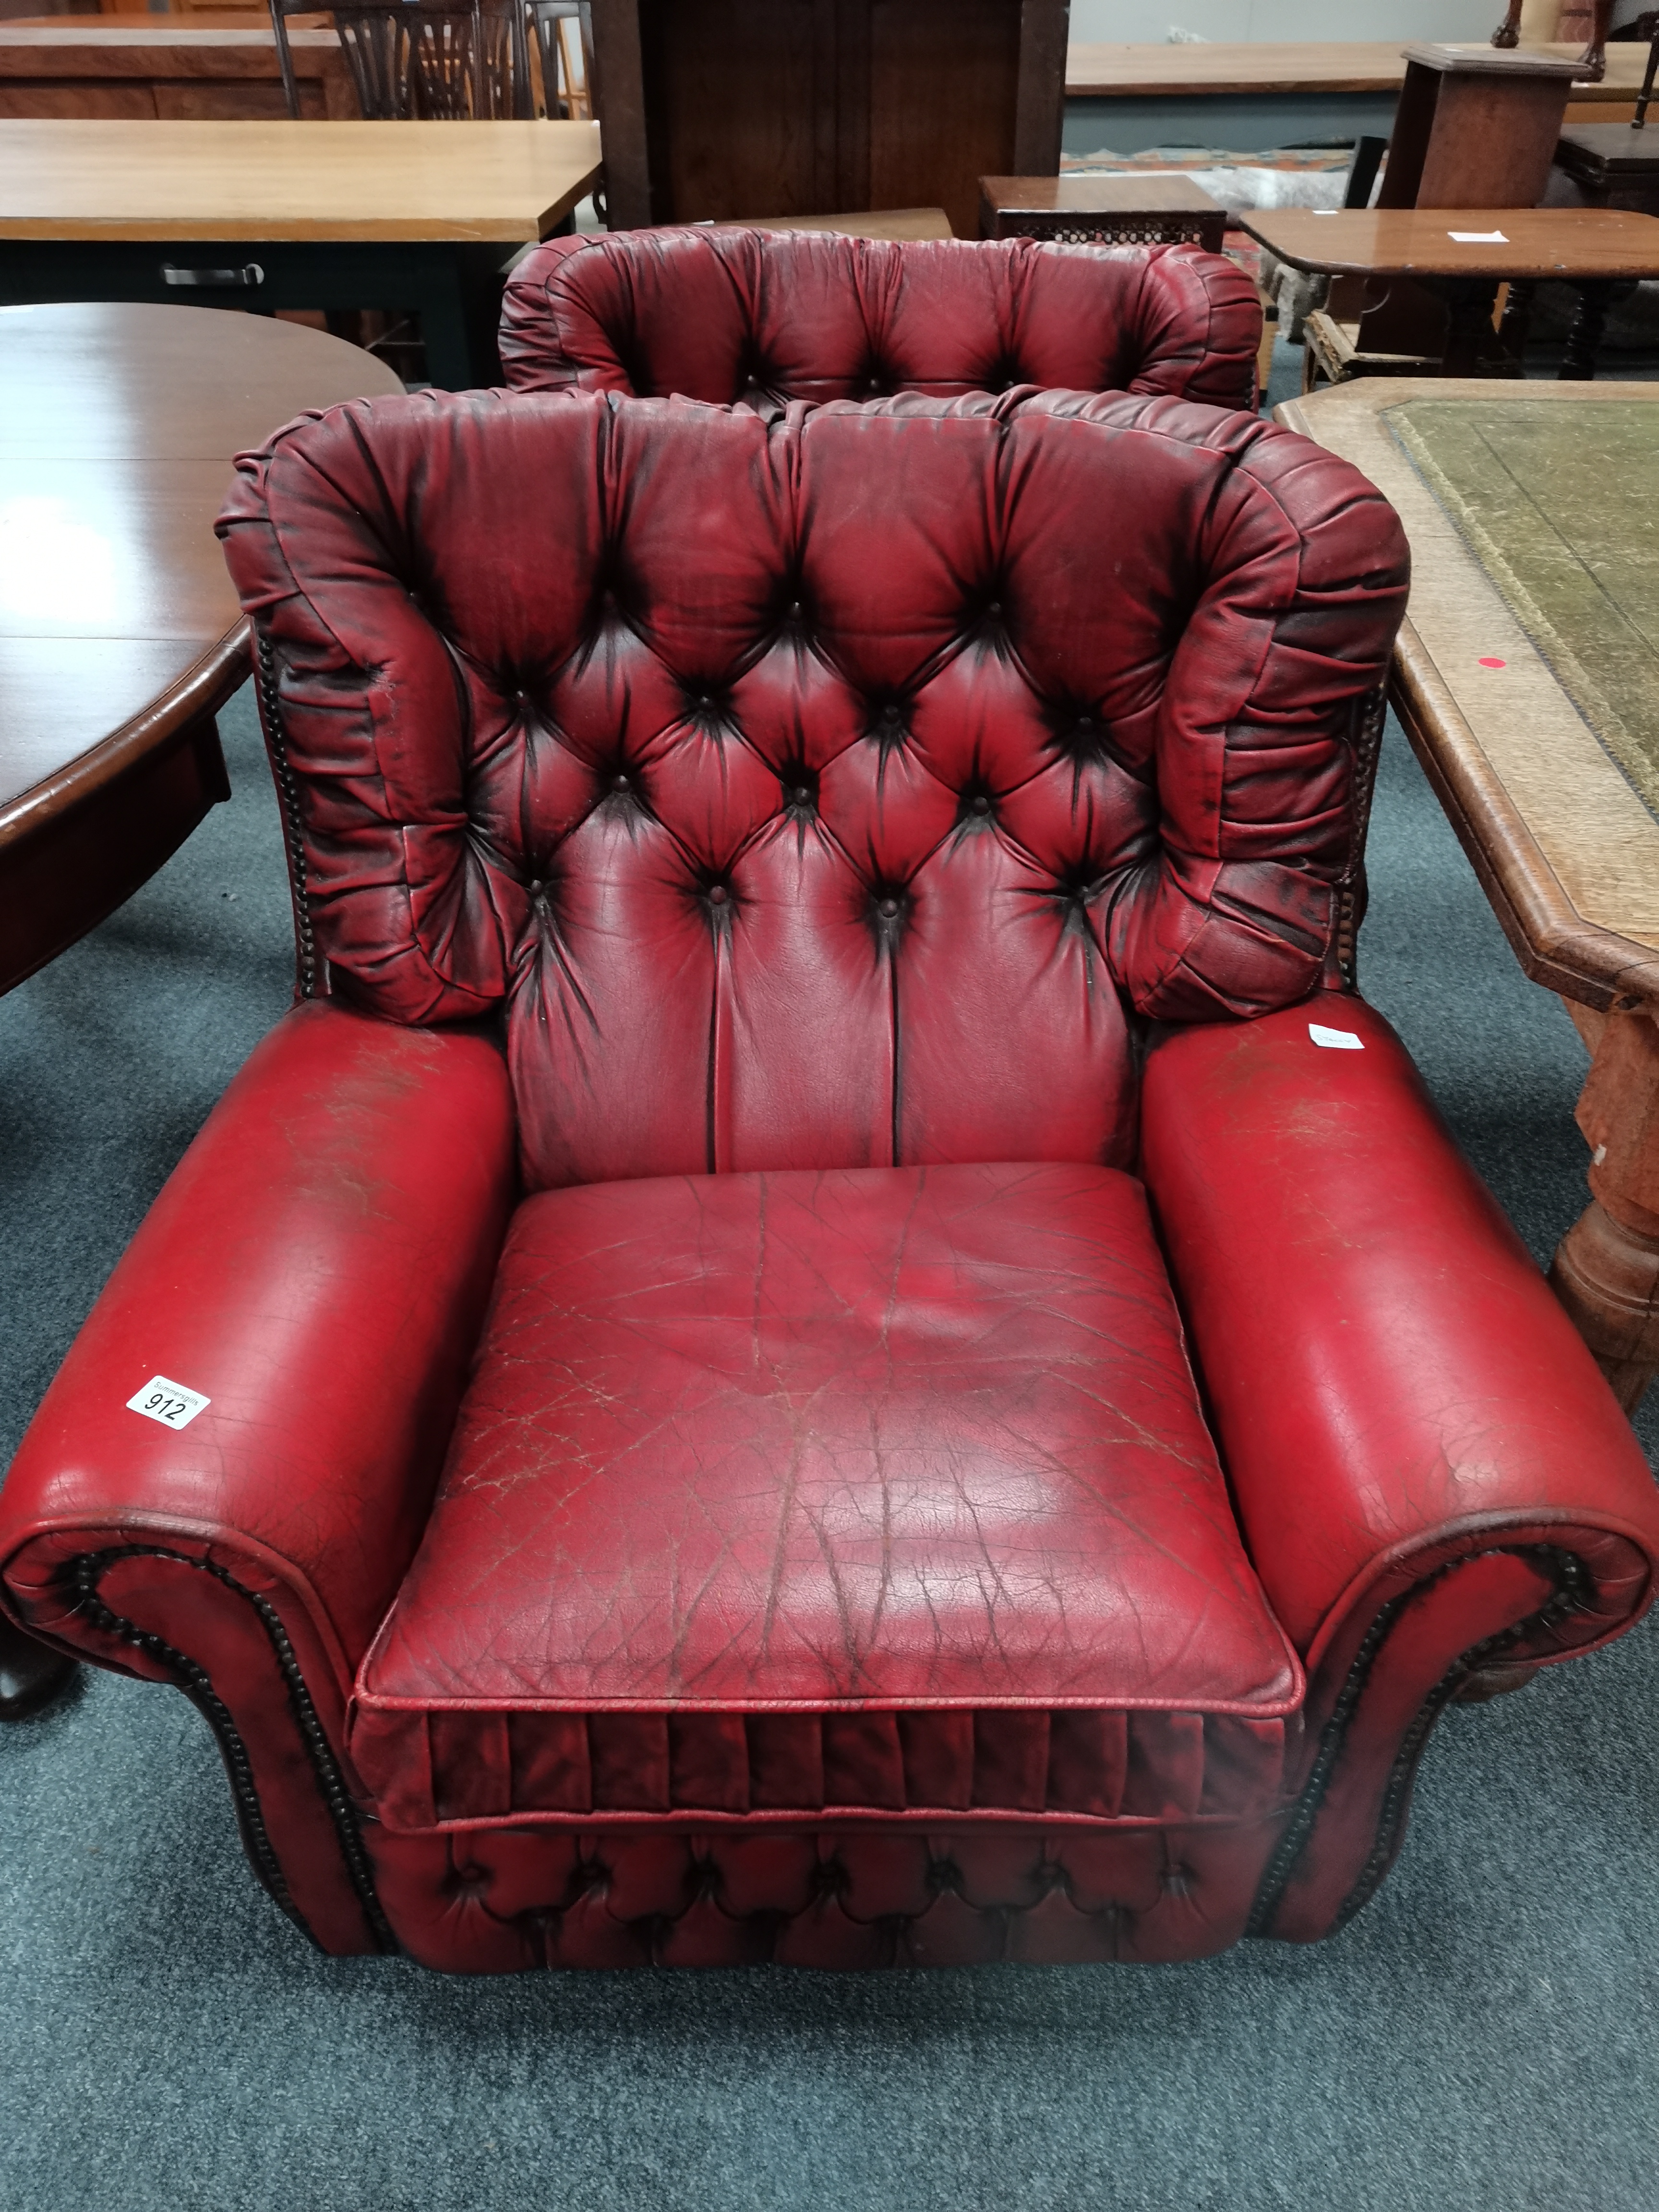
120 636
1527 676
421 215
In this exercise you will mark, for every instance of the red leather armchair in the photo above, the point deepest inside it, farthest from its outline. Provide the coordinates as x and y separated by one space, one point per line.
828 1335
759 318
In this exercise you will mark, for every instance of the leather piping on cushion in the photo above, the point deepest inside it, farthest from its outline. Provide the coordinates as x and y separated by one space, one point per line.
437 1769
307 981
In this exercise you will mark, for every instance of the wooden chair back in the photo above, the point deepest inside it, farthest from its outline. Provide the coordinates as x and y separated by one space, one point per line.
431 59
563 33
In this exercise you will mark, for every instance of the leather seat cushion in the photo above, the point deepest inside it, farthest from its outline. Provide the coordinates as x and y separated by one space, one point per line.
878 1490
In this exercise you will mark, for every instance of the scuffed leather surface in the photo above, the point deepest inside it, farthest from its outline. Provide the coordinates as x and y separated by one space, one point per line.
799 824
501 1901
800 1490
763 318
1420 1448
1411 1373
318 1265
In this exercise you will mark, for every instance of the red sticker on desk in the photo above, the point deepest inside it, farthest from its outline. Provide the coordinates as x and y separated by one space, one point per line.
1487 662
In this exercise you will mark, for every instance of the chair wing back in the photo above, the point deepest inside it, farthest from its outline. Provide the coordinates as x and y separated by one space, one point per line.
818 792
764 316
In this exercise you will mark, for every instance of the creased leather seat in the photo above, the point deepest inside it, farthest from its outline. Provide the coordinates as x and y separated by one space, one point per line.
807 1351
759 319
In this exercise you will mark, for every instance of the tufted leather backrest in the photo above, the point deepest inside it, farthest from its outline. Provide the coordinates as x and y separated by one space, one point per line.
761 318
816 794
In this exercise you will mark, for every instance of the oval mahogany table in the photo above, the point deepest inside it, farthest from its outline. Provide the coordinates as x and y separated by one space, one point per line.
120 636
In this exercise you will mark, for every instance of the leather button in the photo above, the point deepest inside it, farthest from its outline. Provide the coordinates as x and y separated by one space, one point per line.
717 895
800 794
889 714
982 805
619 782
875 384
794 610
534 887
996 607
889 907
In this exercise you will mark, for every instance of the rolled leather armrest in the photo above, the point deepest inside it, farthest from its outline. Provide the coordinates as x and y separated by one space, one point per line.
317 1269
1431 1474
1199 322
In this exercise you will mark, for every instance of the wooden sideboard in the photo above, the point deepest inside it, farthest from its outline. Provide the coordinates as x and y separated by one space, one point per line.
206 67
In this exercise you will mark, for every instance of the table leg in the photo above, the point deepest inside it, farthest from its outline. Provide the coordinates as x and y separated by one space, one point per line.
1606 1271
1468 332
1584 338
1517 317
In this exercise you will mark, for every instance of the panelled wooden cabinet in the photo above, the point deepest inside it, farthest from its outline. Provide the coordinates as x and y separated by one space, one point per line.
721 109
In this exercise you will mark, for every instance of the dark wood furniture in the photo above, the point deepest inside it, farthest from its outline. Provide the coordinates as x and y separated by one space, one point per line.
1084 210
425 57
1591 248
176 69
1593 60
1475 128
1563 837
420 216
1608 165
1132 97
120 636
717 108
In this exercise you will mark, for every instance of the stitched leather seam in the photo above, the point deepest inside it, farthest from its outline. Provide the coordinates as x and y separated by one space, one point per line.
196 1684
305 985
1366 745
1571 1581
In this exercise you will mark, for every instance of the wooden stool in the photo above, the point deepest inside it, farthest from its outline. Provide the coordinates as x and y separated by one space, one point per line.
1157 210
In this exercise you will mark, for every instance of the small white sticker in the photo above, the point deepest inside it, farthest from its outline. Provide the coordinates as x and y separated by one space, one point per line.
1337 1040
1477 238
170 1403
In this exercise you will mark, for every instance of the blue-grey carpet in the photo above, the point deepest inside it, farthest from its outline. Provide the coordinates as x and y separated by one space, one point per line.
1482 2040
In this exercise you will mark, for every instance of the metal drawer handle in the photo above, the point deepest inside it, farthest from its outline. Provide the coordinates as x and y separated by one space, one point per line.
252 274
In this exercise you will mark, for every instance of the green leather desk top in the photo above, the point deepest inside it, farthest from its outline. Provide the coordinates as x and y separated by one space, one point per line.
1562 515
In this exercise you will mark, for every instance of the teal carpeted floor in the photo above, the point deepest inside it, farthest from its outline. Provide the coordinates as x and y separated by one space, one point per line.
1484 2039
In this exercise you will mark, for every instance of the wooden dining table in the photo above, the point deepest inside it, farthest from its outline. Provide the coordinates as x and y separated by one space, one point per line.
120 636
422 217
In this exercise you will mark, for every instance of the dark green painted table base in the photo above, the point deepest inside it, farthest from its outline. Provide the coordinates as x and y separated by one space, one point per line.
454 286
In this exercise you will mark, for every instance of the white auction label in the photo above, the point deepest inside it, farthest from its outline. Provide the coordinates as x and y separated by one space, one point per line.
1477 238
170 1403
1336 1039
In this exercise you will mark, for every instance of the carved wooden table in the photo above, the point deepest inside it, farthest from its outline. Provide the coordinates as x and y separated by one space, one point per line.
421 215
120 636
1526 677
1466 253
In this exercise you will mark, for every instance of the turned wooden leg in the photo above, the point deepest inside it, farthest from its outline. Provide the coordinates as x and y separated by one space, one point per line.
1508 32
1517 317
1606 1271
1584 338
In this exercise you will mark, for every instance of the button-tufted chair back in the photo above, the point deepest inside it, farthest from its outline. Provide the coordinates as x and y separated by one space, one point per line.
818 794
761 318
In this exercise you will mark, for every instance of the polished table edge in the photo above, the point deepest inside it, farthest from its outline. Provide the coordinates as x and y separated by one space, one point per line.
167 720
1482 261
1556 946
1204 69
